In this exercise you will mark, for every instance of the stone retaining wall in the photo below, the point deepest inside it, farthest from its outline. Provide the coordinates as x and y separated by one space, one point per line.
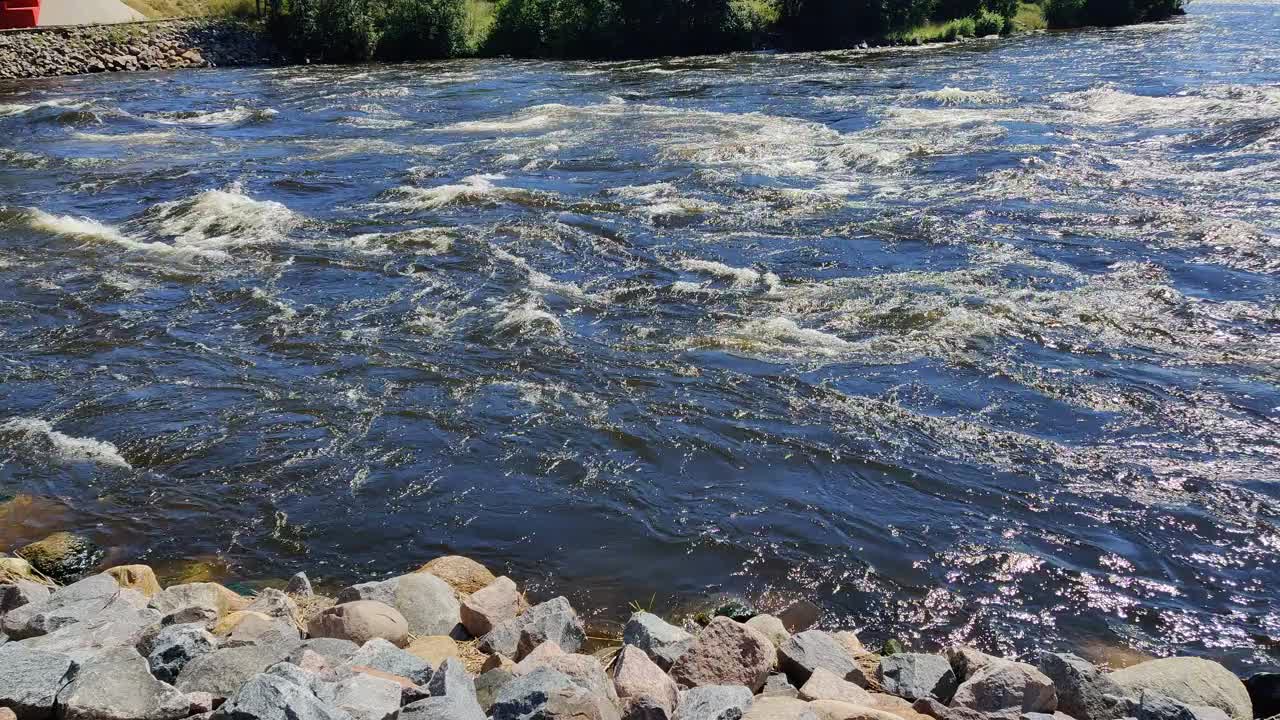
45 52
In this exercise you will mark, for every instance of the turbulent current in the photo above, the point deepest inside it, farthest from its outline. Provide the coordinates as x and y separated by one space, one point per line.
973 342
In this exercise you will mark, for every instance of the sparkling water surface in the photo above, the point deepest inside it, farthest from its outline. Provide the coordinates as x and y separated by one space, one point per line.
976 342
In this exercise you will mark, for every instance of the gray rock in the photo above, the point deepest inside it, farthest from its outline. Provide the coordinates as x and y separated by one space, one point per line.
771 627
270 697
32 679
917 675
1264 693
427 603
965 661
824 685
334 650
451 679
805 652
177 645
275 604
443 708
14 595
663 642
726 652
191 615
363 697
381 655
1192 681
777 686
299 585
223 671
1082 688
96 597
1154 706
205 595
555 621
714 702
489 685
288 671
117 685
1004 686
118 626
503 639
546 694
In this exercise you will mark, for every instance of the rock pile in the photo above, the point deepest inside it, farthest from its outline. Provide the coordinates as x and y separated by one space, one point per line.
117 646
45 52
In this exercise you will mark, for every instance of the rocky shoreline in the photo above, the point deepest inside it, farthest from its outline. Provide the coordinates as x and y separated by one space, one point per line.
165 45
451 641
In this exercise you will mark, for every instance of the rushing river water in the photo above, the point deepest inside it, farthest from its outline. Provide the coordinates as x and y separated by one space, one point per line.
970 342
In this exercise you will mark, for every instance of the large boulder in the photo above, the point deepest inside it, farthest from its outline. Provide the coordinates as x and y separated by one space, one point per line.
639 681
554 620
1007 686
800 616
63 556
805 652
965 661
489 684
97 596
117 685
245 626
1082 688
714 702
381 655
547 694
584 670
222 672
837 710
826 685
1193 681
1154 706
274 697
32 679
443 708
463 574
118 625
726 652
427 603
175 646
917 675
299 585
662 641
495 603
360 622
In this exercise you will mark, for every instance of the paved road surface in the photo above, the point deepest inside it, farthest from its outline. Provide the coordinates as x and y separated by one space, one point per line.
86 12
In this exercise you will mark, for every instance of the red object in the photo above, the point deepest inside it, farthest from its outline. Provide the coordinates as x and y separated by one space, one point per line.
19 14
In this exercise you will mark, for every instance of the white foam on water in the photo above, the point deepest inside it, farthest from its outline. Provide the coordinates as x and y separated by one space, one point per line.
737 276
529 120
138 138
473 188
428 241
527 318
956 96
92 230
541 281
63 448
776 336
221 220
226 116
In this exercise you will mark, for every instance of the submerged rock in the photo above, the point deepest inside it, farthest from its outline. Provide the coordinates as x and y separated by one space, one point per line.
63 556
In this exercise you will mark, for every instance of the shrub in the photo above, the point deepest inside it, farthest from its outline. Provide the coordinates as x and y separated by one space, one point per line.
422 29
840 23
331 30
1077 13
553 28
988 23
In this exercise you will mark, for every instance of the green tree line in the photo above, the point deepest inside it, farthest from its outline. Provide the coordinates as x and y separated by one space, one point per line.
360 30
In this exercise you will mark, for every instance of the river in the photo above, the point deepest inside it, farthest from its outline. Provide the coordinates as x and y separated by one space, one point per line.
975 342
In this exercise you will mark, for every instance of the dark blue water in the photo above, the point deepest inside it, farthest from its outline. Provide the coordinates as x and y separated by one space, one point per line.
974 342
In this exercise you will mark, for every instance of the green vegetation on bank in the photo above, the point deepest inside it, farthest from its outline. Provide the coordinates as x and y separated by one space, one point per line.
358 30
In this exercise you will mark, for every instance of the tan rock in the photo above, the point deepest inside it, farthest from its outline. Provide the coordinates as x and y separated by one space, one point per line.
538 656
209 595
826 685
360 622
17 568
836 710
7 714
726 653
434 649
495 603
463 574
780 708
250 625
896 705
771 627
849 639
136 577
